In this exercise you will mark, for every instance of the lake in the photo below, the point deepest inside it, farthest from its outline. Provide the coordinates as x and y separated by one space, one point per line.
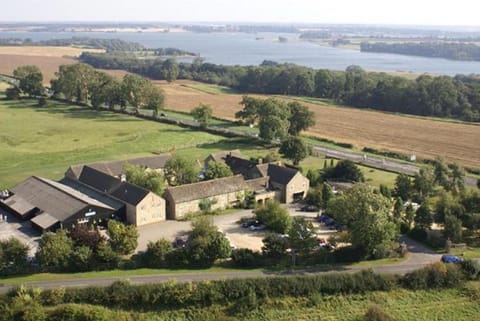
252 49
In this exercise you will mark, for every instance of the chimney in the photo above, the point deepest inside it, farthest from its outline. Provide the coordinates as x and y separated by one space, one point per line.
123 178
260 161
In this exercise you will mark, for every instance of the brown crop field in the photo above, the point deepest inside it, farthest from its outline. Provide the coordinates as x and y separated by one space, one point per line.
412 135
48 65
45 51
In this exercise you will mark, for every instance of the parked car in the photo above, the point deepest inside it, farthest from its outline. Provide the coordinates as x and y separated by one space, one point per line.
249 223
447 258
179 242
257 227
322 218
309 208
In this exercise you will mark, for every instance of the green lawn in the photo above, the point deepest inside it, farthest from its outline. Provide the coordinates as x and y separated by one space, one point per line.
373 176
46 141
107 274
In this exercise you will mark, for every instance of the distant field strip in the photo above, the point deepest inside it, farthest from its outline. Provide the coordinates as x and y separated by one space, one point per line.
411 135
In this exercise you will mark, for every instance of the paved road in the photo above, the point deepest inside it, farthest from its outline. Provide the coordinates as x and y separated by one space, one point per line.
379 162
419 256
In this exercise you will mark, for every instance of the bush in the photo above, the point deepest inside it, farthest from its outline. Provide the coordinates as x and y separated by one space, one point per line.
376 313
274 216
42 101
436 275
246 258
471 269
157 253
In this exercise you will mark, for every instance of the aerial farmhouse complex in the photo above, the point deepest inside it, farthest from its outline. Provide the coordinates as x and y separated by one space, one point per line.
98 192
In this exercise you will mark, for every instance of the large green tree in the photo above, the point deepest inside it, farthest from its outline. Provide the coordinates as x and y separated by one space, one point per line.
30 79
202 114
54 250
13 255
301 118
403 186
206 244
180 170
301 235
294 149
151 180
170 70
274 216
123 238
217 170
367 216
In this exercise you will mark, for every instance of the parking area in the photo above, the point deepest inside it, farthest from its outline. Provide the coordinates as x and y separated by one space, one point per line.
13 227
239 237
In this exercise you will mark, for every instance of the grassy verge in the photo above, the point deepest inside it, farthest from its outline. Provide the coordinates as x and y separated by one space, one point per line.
373 176
112 274
469 253
380 262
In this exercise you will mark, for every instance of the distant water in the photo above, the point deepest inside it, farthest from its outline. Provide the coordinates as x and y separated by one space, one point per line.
252 49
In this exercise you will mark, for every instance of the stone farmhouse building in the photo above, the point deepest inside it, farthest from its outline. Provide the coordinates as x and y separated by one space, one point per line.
99 192
223 193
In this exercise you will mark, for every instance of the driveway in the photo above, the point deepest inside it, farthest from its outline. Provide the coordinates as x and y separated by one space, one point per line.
23 231
228 223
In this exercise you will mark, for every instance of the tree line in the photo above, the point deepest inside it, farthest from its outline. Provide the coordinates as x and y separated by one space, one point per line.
441 96
448 50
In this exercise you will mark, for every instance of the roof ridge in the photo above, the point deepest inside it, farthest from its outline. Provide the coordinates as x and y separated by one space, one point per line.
208 181
48 182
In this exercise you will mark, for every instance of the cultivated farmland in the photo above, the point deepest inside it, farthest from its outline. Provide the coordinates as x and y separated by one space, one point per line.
45 51
423 137
48 65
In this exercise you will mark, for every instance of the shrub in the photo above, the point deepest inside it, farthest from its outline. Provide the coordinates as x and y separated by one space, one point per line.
471 269
274 216
436 275
157 253
246 258
376 313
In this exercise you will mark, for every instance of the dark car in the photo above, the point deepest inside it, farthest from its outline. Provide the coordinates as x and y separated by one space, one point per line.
322 218
447 258
257 227
249 223
309 208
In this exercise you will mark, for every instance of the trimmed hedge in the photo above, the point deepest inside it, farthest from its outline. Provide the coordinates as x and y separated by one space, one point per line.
178 295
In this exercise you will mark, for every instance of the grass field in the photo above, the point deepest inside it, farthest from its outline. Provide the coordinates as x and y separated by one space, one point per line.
46 141
373 176
424 137
458 304
60 135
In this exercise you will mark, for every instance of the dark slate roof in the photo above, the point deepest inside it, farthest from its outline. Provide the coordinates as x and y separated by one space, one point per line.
280 174
221 156
244 167
201 190
91 192
44 220
115 168
129 193
98 180
45 196
18 204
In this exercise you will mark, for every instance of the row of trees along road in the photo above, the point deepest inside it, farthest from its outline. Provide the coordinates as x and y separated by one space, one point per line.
84 84
441 96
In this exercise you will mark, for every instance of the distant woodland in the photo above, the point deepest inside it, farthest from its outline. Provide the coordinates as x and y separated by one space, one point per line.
448 50
109 45
441 96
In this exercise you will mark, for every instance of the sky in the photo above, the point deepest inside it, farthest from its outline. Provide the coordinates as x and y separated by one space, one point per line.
416 12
